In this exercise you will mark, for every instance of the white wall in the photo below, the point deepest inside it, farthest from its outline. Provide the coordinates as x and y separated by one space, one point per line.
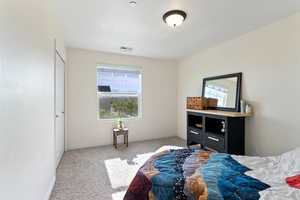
270 61
27 169
158 107
55 29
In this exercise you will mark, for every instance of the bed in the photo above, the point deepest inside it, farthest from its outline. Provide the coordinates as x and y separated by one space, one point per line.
188 174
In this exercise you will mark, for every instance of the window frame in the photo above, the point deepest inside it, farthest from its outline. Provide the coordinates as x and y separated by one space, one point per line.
139 94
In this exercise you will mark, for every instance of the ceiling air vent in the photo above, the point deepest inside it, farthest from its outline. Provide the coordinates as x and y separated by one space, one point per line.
125 49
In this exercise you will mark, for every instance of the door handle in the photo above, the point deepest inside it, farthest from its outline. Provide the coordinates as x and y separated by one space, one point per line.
194 132
214 139
57 116
63 112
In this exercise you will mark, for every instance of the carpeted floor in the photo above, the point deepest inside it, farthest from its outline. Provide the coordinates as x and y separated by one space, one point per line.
103 173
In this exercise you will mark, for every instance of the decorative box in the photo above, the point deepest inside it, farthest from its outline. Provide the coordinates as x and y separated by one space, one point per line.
212 103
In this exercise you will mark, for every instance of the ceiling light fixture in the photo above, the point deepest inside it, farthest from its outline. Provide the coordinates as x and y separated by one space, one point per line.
133 3
174 18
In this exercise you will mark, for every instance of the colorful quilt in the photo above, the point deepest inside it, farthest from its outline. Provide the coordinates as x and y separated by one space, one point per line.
188 174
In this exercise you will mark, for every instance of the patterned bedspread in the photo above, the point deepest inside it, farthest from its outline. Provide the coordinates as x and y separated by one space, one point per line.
193 175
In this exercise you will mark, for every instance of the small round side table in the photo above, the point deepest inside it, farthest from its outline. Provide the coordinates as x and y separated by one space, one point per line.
116 133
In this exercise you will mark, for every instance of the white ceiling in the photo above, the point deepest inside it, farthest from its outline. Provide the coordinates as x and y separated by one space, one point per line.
106 25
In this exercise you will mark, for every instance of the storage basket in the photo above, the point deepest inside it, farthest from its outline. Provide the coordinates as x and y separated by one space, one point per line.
196 103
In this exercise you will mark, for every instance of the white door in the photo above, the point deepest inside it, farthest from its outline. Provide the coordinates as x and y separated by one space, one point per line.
59 108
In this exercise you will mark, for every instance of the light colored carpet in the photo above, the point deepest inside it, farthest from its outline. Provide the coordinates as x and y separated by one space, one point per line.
103 173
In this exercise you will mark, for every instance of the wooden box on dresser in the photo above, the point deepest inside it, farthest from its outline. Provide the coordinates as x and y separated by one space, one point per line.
218 130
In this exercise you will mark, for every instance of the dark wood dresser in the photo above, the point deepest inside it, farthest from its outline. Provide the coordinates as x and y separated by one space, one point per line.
221 131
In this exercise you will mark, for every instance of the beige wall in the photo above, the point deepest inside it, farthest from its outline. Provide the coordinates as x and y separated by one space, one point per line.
270 61
27 155
158 106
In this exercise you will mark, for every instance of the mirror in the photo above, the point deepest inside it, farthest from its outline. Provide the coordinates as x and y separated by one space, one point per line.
226 89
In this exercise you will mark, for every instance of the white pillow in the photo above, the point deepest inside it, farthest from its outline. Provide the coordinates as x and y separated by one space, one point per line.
290 162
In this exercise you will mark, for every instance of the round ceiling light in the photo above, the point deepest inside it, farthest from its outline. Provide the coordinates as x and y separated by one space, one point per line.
174 18
133 3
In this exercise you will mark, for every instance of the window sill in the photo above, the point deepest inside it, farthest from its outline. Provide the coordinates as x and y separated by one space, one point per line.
116 119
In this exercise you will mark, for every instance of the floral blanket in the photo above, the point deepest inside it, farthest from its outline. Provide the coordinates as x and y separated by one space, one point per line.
188 174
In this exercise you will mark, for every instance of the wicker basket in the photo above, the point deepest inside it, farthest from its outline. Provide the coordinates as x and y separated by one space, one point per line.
196 103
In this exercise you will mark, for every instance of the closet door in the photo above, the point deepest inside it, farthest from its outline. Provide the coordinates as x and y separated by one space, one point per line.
59 108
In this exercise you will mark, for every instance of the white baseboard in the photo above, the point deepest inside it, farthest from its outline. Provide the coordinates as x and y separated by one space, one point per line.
51 186
76 147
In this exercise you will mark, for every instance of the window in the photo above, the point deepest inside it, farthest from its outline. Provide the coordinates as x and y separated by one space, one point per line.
118 92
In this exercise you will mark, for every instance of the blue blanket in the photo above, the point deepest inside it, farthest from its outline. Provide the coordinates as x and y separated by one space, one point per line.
193 175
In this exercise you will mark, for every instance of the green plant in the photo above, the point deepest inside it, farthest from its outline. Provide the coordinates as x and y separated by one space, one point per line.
125 106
